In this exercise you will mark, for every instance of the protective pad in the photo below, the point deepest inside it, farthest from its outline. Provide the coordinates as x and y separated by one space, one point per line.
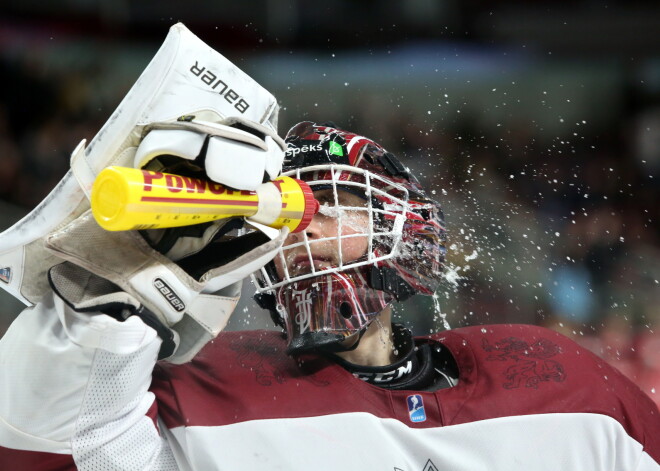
185 78
238 154
196 308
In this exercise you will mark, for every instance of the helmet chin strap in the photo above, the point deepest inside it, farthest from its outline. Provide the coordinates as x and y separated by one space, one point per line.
339 346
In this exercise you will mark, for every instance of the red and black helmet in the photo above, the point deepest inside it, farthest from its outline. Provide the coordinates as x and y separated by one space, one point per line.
405 237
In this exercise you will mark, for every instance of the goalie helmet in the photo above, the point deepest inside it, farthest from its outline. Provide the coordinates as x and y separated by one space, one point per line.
321 296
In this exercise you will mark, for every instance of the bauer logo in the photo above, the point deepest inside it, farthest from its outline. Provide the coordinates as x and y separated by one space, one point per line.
5 274
218 84
416 408
169 295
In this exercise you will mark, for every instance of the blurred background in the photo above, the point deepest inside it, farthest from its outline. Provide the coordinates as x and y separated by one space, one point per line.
536 124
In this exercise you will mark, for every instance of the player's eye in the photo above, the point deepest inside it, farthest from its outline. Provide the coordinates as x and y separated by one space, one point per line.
325 198
349 199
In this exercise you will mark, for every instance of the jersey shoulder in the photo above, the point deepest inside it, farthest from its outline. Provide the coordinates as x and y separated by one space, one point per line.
235 375
238 357
515 369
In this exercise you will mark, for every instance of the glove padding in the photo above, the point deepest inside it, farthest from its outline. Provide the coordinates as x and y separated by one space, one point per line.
234 152
188 302
194 303
86 292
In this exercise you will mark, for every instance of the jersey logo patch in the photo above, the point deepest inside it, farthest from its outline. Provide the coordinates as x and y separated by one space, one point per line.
529 364
5 274
416 408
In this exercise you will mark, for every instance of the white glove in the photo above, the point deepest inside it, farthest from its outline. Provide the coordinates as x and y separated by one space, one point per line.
235 120
234 152
192 298
188 302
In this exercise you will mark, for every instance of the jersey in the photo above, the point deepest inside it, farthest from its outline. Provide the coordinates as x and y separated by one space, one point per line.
524 395
526 398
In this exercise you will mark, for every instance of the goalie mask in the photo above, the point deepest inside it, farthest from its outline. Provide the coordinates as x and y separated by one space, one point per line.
377 239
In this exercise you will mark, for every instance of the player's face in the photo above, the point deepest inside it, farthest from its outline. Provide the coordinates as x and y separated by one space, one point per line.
323 232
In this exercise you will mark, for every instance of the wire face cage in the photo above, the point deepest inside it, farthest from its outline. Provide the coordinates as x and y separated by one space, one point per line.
372 215
377 239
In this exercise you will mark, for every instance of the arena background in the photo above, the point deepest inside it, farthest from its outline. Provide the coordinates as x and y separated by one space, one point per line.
536 124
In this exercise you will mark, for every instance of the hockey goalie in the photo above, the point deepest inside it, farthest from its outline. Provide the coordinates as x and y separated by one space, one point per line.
120 362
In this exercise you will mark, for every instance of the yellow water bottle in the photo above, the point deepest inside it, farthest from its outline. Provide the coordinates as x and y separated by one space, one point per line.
134 199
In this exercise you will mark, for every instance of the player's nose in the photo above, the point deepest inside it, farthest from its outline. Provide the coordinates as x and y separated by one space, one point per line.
319 227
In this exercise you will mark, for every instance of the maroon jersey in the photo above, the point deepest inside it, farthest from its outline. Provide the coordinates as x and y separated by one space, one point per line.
526 398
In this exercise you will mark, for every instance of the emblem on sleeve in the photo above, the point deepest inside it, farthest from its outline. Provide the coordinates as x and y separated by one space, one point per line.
529 364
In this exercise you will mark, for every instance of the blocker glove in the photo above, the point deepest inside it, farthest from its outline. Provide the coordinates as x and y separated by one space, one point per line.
184 282
119 273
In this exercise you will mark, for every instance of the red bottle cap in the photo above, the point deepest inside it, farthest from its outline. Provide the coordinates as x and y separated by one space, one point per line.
312 206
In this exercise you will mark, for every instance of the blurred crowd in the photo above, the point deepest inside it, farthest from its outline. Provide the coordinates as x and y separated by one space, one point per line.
560 231
555 233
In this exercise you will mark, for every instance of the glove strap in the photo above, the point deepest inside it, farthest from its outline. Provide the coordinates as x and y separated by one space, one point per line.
86 292
168 345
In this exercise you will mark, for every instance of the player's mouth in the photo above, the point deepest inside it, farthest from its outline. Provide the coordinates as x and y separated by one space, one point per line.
302 264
